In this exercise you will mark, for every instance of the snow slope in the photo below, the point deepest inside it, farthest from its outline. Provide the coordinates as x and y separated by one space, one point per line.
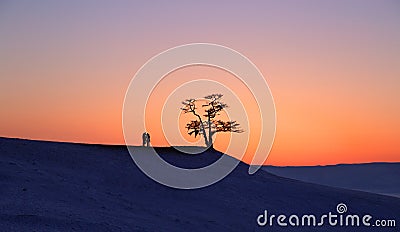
382 178
51 186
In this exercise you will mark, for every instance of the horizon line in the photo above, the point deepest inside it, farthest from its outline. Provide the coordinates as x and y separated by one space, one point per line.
124 145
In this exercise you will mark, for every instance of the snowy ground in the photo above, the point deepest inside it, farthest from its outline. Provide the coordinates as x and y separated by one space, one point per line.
46 186
382 178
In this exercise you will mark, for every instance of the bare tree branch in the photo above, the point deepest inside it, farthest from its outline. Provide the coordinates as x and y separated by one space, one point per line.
215 106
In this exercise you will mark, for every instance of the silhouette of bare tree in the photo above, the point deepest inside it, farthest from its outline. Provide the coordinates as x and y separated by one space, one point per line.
207 125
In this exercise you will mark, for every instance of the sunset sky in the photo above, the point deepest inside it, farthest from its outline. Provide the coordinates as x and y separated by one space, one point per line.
333 68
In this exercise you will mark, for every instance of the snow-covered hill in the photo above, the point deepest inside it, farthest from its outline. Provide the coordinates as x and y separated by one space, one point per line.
50 186
382 178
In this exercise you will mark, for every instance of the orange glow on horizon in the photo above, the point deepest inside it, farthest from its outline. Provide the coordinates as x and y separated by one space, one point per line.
335 80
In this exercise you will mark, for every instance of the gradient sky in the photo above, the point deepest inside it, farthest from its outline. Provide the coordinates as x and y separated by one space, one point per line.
333 68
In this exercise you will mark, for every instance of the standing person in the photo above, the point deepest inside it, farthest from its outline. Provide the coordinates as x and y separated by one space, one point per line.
144 138
148 139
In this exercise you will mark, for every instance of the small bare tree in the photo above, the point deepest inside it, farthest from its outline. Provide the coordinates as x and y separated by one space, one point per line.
207 125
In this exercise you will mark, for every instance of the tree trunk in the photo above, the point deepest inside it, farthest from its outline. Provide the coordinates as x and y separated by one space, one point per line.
210 140
204 134
203 131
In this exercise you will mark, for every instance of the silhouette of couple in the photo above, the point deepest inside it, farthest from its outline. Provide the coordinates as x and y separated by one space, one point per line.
146 139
